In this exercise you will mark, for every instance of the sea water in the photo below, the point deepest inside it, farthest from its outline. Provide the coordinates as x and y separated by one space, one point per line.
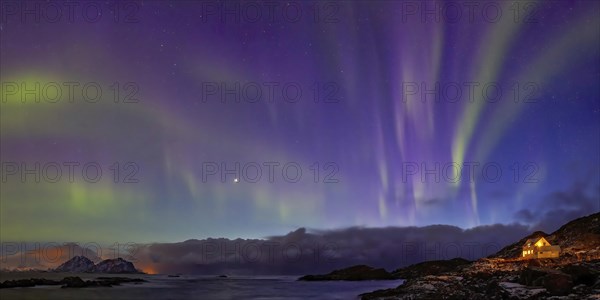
205 287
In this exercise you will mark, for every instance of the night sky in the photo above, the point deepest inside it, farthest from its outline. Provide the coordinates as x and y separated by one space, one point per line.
343 98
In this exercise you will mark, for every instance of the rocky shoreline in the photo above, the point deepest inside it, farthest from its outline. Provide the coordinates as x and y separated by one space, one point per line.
82 264
503 279
574 275
70 282
504 275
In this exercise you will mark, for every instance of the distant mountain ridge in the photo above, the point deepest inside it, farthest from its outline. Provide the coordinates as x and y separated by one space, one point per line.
82 264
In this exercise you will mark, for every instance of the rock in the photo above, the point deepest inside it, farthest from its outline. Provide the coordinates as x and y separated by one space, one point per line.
517 291
382 294
118 265
73 282
355 273
581 274
17 283
28 282
77 264
556 282
428 287
110 281
529 275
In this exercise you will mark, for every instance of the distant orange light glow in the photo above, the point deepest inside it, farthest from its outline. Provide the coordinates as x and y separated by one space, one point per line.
149 270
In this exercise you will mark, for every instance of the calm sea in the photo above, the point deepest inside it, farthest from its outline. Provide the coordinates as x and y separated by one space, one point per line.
203 287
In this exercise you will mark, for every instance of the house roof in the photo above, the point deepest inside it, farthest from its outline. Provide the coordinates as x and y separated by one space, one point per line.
535 240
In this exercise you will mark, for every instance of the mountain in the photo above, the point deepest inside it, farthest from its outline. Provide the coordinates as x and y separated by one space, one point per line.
77 264
81 264
117 265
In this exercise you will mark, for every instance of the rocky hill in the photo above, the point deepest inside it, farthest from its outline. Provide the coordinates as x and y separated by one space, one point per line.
514 250
433 267
574 275
81 264
580 237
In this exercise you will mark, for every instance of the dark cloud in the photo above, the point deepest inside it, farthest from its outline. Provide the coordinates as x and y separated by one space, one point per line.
305 251
525 215
561 207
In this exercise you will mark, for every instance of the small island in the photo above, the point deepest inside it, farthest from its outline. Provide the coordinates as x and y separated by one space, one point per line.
82 264
354 273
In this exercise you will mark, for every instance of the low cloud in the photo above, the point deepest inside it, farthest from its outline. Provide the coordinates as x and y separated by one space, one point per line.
560 207
299 252
304 251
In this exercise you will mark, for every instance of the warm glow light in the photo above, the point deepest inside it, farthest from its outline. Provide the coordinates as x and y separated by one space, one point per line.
149 270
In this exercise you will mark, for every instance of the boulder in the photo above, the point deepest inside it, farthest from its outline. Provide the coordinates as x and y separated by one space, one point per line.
581 274
555 282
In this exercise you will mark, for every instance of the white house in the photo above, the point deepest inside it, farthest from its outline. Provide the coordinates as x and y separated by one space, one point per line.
540 248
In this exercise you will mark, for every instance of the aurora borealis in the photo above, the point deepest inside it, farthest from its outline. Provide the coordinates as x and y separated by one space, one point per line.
375 102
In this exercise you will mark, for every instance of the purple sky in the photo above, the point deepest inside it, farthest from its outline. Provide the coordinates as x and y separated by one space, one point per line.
343 92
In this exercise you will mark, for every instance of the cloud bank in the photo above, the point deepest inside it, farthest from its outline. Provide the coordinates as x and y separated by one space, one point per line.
303 251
